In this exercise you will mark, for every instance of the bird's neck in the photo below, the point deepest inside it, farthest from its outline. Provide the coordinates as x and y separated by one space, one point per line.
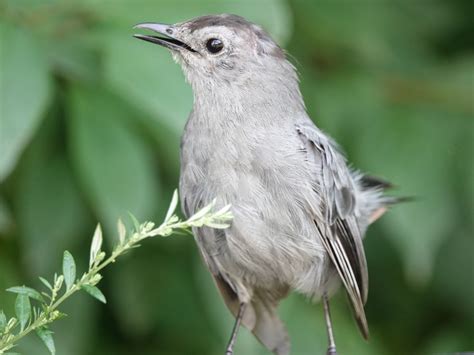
250 98
252 94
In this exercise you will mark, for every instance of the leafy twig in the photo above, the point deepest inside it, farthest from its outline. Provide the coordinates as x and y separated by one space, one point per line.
44 311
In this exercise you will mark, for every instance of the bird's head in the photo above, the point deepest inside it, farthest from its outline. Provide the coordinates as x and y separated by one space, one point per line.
221 49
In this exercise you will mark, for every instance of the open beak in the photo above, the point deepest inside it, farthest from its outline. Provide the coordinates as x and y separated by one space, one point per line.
167 40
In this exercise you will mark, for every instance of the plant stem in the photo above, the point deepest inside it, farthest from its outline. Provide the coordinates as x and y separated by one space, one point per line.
92 277
44 320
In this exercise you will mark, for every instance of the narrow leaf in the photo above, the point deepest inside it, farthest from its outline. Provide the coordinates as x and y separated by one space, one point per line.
69 269
3 321
46 336
23 309
46 283
96 245
128 162
223 210
94 292
173 204
58 281
136 225
122 231
27 291
203 211
218 225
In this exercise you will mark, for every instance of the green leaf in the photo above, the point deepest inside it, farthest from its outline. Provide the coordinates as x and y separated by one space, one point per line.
135 222
418 243
122 231
115 167
46 283
94 292
74 58
3 321
28 291
203 211
25 90
23 309
46 187
173 204
217 225
69 269
46 336
96 245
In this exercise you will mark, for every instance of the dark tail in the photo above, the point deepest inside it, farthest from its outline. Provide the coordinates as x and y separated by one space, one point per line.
370 182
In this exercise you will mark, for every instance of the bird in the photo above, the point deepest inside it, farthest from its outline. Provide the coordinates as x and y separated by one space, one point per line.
300 211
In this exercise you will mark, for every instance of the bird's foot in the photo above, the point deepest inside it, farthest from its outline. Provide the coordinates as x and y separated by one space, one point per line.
331 351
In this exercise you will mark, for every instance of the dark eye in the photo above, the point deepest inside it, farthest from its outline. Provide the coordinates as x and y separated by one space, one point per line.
214 45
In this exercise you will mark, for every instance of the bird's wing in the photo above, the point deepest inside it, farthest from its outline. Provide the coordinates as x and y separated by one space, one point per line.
335 218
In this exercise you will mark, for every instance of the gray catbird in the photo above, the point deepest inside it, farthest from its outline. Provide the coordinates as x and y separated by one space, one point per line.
299 211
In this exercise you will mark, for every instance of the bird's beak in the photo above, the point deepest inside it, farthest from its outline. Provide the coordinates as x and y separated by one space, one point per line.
169 40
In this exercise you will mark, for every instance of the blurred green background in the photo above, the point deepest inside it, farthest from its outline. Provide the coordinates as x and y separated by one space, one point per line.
89 129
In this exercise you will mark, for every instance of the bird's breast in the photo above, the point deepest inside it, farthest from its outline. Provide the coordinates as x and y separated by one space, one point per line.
262 174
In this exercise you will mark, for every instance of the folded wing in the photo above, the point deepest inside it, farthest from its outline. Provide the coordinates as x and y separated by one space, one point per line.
336 218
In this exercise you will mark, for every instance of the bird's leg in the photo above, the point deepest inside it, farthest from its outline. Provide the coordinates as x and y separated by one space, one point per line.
327 316
235 330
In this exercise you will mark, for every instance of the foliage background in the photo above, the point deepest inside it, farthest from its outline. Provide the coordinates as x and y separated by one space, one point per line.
89 129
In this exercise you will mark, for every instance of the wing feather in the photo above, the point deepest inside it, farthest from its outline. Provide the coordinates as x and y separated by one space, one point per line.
338 228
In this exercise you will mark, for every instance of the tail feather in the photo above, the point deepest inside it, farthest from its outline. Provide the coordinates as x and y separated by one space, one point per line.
269 329
260 317
370 181
375 201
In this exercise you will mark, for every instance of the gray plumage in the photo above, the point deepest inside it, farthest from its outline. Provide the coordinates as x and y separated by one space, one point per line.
299 211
